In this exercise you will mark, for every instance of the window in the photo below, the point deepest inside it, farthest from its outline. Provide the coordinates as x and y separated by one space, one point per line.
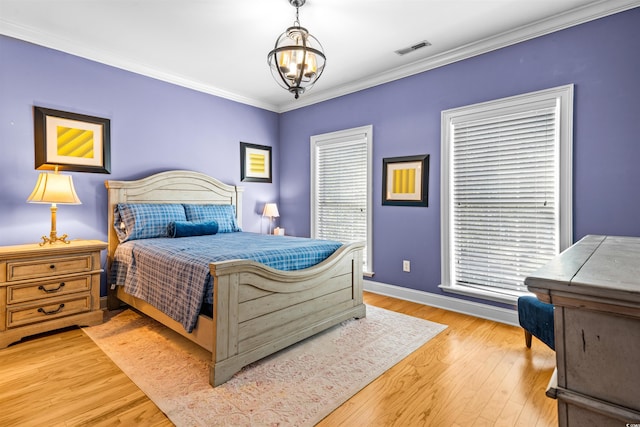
506 191
341 187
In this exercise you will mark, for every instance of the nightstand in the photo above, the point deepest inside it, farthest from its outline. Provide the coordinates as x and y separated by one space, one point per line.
48 287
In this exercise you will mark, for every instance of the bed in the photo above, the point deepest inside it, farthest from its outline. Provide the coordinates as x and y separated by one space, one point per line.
257 310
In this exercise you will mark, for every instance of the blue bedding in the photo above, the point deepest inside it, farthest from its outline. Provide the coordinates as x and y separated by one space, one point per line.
178 268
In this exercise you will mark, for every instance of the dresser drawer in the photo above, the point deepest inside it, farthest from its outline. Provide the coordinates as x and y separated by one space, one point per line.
47 310
601 356
46 267
587 416
53 288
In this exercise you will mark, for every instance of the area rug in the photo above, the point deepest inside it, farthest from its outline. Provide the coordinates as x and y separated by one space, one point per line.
297 386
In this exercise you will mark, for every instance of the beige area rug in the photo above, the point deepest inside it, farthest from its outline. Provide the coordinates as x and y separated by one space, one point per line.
297 386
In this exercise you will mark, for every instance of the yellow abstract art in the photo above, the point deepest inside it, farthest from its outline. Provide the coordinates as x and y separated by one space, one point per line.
405 180
255 162
75 142
71 142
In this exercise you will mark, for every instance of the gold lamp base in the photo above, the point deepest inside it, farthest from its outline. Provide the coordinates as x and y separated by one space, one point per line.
53 235
53 239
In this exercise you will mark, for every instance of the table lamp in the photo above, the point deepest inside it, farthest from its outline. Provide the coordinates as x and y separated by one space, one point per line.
54 188
271 211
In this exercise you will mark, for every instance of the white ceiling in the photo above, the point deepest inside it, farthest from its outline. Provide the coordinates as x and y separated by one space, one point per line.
220 46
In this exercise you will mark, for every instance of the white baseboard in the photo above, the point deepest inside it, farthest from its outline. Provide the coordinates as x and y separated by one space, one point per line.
484 311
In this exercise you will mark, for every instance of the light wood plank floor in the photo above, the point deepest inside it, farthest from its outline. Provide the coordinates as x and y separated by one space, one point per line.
475 373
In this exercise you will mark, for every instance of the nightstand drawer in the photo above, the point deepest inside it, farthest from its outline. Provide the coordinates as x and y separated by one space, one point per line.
48 287
47 267
44 311
23 293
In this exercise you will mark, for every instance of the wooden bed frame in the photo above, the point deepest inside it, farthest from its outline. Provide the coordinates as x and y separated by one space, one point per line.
257 310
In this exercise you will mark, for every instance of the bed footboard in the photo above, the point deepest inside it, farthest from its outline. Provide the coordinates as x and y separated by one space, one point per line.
259 310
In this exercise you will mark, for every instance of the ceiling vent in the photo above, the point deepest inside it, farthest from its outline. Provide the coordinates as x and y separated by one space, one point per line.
413 48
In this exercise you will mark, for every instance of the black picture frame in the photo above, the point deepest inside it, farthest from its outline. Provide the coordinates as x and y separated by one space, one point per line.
255 163
71 141
405 181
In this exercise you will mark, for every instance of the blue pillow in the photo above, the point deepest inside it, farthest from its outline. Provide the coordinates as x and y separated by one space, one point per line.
133 221
224 215
188 229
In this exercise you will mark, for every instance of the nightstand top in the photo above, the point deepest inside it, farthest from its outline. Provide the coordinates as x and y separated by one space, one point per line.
55 248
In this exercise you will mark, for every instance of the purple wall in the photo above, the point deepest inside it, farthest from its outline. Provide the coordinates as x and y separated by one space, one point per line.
600 58
155 126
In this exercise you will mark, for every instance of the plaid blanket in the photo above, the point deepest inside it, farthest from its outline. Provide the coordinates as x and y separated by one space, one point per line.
173 274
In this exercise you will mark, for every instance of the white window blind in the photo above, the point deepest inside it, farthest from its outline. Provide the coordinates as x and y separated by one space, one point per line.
506 196
341 207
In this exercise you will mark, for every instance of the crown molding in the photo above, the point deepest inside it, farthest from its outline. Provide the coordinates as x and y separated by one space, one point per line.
559 22
51 41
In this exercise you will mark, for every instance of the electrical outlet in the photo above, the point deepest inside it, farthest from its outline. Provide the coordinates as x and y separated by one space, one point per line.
406 266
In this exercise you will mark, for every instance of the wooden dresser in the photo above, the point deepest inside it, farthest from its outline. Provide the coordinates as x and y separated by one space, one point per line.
48 287
595 288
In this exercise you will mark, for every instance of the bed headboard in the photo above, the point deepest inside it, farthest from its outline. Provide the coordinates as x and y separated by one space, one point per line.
178 186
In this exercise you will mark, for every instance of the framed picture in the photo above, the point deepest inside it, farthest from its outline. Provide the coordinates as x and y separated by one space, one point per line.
255 162
405 180
70 141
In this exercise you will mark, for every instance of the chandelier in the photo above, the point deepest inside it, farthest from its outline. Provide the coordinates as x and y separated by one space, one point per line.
297 61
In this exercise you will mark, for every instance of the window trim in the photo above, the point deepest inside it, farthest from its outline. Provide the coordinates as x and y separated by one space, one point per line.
337 137
563 96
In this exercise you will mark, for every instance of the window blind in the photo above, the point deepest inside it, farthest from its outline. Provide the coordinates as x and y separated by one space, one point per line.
341 191
341 188
504 209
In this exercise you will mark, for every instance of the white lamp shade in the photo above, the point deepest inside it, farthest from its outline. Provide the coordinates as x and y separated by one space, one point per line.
54 188
270 210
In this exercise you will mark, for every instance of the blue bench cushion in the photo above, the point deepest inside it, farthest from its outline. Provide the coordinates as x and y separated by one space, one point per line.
536 317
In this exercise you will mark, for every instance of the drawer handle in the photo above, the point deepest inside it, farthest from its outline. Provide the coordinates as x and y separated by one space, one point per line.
42 310
50 291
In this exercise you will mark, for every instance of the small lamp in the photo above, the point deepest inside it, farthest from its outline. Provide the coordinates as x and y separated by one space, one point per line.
54 188
271 211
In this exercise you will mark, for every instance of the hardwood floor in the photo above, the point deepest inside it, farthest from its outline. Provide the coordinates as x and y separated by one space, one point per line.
475 373
64 379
